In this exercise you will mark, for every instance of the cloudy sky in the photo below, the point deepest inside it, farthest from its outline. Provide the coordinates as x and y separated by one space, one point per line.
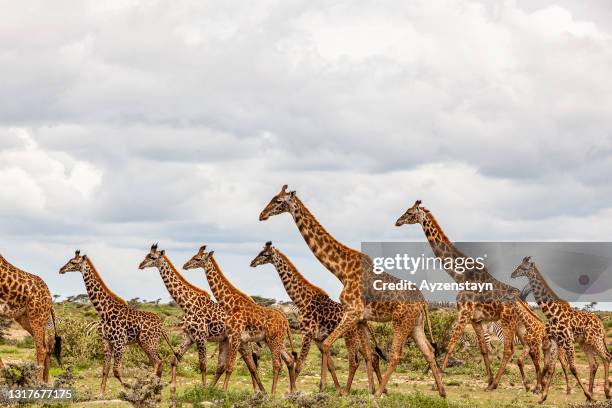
125 123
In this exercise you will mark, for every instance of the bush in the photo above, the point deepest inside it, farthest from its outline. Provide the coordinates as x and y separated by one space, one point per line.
20 374
144 392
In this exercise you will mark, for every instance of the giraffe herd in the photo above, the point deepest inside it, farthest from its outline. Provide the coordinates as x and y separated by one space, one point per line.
235 321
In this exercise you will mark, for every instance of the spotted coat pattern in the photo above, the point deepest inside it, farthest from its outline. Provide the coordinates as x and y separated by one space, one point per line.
348 265
567 325
246 321
203 319
25 298
120 324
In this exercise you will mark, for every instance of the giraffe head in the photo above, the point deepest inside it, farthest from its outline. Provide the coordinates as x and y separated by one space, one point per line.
280 203
265 256
413 215
201 259
525 268
76 264
153 258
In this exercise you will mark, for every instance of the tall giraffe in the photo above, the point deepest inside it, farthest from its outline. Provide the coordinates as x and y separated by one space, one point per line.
319 314
121 325
25 298
246 321
203 319
568 325
501 303
348 265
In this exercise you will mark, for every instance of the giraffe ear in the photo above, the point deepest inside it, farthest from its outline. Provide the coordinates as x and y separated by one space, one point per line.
417 203
211 253
162 252
292 194
85 257
77 252
202 248
285 187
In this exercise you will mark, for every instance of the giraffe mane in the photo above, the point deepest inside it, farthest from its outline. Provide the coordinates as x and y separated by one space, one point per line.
103 284
547 287
184 281
227 281
318 224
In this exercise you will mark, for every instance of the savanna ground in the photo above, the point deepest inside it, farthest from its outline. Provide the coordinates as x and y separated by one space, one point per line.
410 386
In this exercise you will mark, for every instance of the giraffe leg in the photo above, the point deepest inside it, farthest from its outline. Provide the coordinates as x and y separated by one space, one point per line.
593 365
348 321
551 351
520 363
463 319
186 342
563 361
601 350
418 334
400 333
246 354
567 344
234 347
40 333
118 349
276 364
484 349
331 368
534 353
508 328
151 349
352 343
306 342
108 351
364 336
222 350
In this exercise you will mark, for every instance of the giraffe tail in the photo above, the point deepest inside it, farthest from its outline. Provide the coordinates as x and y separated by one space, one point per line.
293 352
57 344
425 307
165 336
377 349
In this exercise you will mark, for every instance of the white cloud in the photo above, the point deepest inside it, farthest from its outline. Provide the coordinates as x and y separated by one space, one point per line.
125 123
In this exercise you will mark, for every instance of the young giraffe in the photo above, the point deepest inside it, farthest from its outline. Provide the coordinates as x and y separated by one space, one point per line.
319 314
25 298
203 319
568 325
501 303
348 265
247 321
121 325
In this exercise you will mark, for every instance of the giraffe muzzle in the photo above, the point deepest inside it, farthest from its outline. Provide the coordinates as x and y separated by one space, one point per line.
263 217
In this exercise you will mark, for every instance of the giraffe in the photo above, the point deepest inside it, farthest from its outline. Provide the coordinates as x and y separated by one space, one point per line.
349 266
501 303
25 298
247 321
203 319
319 314
567 325
120 324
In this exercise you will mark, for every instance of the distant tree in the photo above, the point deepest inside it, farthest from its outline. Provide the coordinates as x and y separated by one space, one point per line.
156 301
81 299
134 302
263 301
55 297
172 303
589 307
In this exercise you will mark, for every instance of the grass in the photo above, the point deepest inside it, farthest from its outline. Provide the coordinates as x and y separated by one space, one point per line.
409 386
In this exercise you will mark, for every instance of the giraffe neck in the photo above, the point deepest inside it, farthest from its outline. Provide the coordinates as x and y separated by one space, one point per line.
297 287
441 246
323 245
542 293
225 292
102 298
179 289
